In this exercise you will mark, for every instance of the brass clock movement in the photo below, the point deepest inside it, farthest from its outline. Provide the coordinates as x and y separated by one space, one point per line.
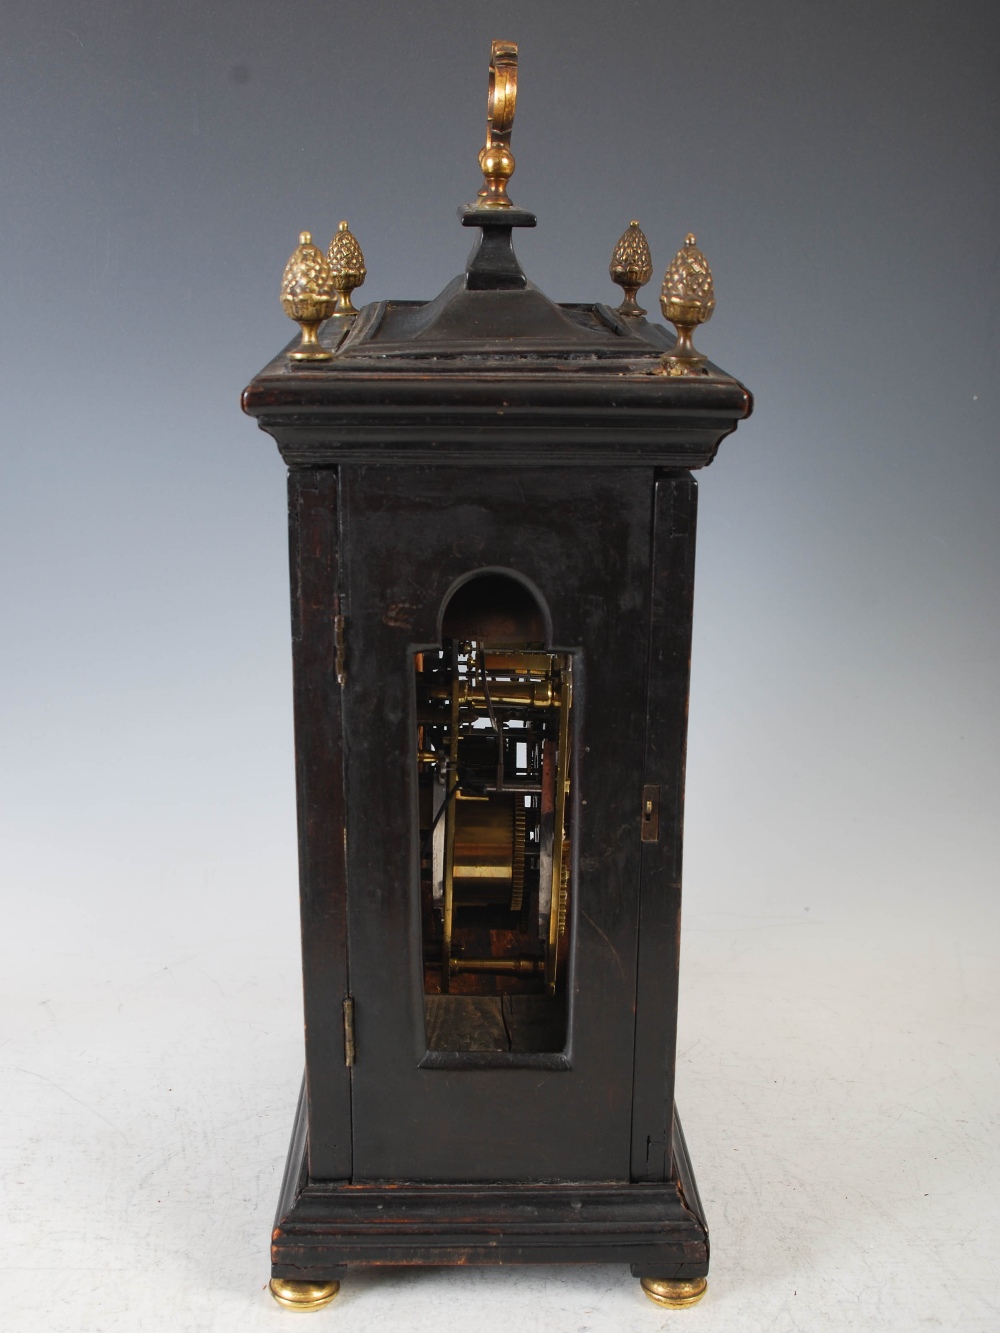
492 527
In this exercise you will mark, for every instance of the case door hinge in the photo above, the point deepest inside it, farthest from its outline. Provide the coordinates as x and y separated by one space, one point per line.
339 651
349 1031
650 825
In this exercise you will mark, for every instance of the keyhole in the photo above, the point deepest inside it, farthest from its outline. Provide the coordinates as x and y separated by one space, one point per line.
650 827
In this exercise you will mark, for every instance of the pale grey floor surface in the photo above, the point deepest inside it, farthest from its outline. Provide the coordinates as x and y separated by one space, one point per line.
838 1082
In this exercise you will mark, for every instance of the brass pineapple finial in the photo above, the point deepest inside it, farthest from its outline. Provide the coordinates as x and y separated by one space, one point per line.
308 297
687 300
347 265
631 267
496 161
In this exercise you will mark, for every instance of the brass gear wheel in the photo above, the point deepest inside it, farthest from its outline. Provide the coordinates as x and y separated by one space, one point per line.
564 888
517 863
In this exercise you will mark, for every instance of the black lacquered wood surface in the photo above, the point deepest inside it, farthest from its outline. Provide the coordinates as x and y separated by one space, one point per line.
490 429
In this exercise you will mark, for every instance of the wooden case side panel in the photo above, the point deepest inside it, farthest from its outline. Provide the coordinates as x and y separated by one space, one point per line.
675 510
584 543
313 499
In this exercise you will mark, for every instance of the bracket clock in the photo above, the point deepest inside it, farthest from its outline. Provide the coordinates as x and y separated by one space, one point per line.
492 529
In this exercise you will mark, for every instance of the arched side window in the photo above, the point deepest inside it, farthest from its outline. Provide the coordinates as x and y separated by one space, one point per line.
496 608
494 707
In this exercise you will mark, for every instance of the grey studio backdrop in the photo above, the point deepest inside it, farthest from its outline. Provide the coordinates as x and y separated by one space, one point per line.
837 1075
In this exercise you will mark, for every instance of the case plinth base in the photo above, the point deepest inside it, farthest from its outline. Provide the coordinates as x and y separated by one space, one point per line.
325 1229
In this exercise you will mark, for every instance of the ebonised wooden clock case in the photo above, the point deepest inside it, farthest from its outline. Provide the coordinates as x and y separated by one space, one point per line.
490 499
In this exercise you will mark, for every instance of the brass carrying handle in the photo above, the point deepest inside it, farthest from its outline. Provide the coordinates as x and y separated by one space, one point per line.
503 93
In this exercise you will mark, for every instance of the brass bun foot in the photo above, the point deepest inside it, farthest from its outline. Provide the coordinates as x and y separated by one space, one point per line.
675 1295
302 1295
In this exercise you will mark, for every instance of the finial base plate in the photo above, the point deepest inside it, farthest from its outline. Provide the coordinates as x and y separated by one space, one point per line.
321 354
630 306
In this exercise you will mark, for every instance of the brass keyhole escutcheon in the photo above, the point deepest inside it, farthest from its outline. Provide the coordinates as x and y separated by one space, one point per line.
650 827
